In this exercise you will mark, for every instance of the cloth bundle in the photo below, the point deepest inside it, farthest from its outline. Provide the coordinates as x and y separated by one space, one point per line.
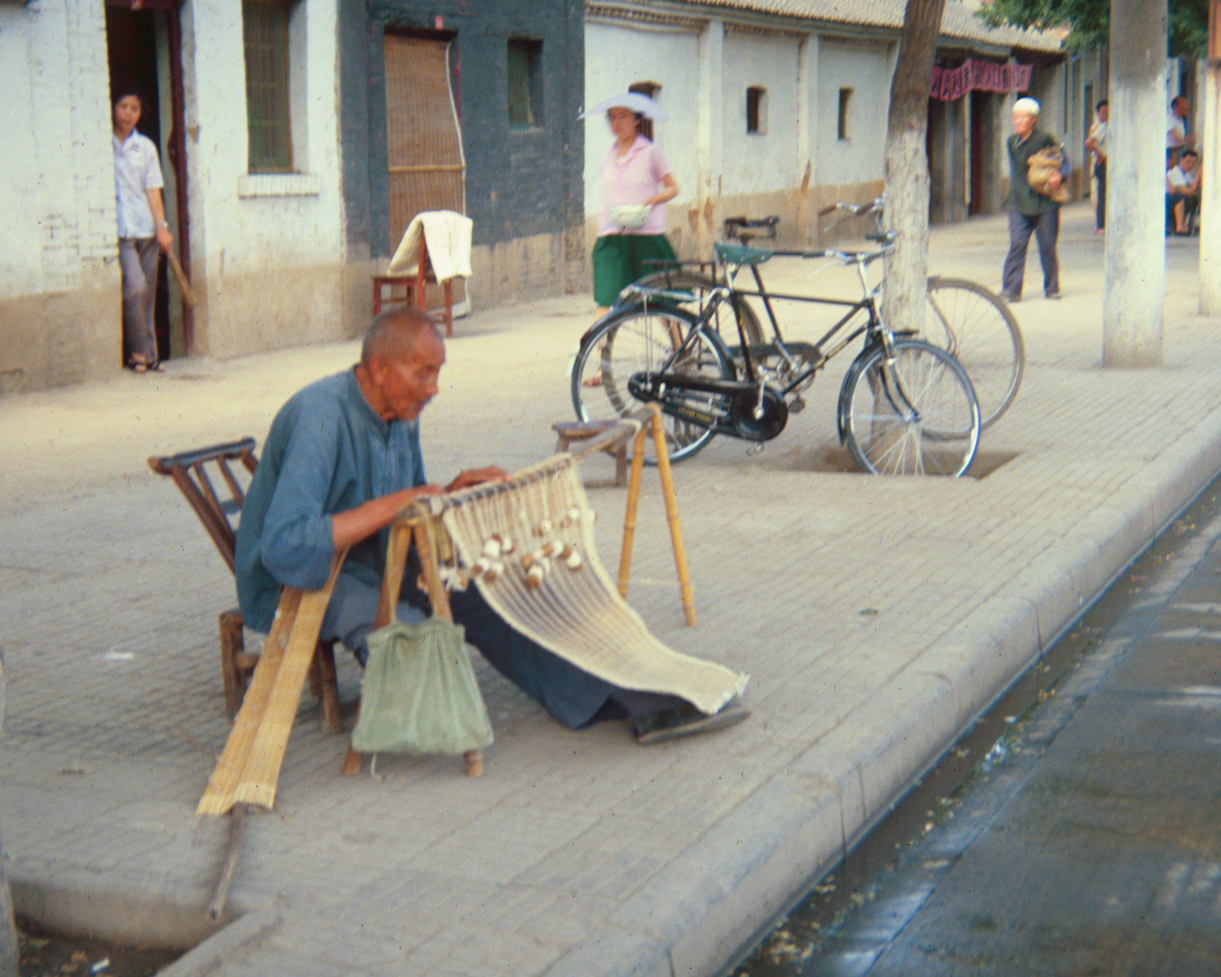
419 693
1040 167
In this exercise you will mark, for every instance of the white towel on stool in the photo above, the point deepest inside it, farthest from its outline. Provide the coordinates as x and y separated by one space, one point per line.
448 237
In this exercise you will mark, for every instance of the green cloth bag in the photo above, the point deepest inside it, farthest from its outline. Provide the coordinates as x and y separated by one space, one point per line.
419 693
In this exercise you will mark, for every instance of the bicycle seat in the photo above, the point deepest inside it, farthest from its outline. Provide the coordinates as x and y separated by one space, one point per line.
738 254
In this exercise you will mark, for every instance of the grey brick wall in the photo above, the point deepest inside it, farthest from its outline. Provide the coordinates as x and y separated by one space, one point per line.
518 183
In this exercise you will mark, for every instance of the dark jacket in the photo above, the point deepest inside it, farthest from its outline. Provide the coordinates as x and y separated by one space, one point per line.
1021 198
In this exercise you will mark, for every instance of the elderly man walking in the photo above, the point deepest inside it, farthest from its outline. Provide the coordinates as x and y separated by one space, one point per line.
1029 211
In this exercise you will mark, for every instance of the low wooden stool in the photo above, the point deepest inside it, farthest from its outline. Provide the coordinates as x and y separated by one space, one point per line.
569 432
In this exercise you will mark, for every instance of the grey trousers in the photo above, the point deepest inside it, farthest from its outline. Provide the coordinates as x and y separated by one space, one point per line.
138 264
1046 229
573 697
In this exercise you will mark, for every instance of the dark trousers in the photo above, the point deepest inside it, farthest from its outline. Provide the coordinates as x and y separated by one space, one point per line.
138 258
571 695
1046 229
1100 210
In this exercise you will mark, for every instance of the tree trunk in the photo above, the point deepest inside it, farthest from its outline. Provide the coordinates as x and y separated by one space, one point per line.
8 933
907 177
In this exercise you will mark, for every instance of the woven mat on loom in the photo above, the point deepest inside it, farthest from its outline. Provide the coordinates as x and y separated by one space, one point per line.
577 614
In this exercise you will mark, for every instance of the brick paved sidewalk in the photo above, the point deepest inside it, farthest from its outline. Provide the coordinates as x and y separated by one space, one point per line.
876 617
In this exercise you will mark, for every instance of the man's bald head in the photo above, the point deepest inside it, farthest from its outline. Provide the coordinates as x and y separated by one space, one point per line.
394 333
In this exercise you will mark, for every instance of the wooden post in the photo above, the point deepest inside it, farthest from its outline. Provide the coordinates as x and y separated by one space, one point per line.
629 518
676 532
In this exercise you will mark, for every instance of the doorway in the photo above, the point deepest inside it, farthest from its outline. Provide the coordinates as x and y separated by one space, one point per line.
142 51
426 168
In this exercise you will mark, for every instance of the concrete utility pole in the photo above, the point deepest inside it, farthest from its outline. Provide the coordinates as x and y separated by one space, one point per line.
1136 186
1210 191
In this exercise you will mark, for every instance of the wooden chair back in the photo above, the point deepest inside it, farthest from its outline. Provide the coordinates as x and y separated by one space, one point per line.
216 510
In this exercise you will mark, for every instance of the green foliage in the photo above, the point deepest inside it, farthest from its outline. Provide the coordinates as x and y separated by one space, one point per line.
1088 22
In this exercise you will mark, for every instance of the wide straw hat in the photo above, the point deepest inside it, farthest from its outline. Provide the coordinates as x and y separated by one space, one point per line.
640 104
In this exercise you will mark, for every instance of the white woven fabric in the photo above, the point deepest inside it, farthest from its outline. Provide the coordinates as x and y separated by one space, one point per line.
577 614
448 237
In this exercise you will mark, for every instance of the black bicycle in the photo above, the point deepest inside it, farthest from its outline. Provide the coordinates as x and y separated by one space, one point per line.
905 406
972 323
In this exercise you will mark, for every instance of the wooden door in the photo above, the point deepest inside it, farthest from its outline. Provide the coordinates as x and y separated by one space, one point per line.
425 165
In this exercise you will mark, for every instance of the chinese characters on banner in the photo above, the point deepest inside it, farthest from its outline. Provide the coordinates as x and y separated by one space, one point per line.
984 76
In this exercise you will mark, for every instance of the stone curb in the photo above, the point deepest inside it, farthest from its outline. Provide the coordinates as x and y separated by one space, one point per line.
735 881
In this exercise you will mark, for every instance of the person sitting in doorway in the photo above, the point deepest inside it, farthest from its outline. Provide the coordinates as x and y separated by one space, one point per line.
342 459
1183 192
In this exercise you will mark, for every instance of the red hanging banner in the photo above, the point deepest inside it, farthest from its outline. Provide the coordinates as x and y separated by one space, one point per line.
982 76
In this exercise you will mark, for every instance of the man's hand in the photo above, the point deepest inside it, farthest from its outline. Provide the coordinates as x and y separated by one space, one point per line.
1054 180
356 524
477 476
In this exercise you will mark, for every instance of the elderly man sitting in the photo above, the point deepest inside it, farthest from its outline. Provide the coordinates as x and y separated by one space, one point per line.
341 460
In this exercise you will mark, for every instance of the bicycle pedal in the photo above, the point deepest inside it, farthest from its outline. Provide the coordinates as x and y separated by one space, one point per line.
796 405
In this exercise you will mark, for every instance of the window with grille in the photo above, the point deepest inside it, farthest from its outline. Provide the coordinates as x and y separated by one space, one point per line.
265 34
525 83
756 111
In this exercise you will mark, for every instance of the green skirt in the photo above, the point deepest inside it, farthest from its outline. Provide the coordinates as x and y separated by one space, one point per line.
620 259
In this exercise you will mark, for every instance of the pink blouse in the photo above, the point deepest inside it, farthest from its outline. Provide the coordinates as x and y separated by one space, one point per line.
632 179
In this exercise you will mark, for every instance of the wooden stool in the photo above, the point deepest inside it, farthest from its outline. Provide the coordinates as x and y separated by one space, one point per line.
414 283
577 431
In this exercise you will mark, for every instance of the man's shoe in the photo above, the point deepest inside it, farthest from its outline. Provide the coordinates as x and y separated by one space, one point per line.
1053 295
1010 297
685 720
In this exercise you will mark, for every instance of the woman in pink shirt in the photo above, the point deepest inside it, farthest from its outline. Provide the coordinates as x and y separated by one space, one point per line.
636 179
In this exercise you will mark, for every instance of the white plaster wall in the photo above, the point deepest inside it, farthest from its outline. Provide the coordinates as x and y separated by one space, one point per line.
864 68
616 57
768 161
56 169
242 224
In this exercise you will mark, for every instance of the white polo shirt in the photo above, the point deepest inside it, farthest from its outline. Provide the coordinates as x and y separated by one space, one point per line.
136 171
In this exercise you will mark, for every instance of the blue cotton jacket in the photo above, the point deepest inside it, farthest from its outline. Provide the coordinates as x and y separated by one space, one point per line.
326 452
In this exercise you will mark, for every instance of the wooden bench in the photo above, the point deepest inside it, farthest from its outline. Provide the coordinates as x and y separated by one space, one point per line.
575 432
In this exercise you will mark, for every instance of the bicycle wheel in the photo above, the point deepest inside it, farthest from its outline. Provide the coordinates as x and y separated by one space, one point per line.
634 340
979 330
681 280
915 416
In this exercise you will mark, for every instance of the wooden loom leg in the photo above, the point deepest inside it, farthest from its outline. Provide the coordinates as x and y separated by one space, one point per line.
328 700
676 532
629 518
426 547
232 645
392 582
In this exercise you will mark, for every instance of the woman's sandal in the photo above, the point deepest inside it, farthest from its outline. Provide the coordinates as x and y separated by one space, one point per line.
157 366
139 366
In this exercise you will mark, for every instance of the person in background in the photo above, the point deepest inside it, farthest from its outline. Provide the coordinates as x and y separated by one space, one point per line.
1096 143
143 230
1030 212
1183 191
636 181
1176 125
